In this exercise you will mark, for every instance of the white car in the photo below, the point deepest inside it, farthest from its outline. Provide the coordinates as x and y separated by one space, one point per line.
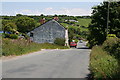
80 41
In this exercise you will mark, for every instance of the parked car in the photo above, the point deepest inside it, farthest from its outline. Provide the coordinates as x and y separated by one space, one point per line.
73 44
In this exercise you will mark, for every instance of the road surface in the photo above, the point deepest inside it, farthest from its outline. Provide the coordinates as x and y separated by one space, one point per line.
68 63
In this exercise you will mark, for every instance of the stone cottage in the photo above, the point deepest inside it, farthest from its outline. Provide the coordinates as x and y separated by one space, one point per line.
48 32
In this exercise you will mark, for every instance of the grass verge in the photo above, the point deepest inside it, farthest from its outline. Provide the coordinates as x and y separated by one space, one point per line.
19 47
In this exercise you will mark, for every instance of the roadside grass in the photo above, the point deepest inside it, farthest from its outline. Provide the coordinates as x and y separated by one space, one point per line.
103 66
19 47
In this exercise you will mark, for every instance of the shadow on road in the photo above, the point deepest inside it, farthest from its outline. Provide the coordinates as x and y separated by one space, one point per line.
83 48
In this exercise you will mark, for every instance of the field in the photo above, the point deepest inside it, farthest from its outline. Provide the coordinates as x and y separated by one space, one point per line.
84 22
81 22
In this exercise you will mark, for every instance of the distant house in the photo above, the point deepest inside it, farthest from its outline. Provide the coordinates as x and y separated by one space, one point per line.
42 21
48 32
71 20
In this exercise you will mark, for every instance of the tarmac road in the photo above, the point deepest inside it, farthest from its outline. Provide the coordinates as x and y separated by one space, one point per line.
64 63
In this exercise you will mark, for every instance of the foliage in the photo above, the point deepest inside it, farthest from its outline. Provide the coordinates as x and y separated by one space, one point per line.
76 40
25 24
12 36
60 41
92 42
112 46
103 66
111 36
10 27
71 33
1 24
98 27
19 47
3 35
4 22
18 14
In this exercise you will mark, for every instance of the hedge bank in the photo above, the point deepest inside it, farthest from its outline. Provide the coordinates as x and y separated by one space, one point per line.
105 60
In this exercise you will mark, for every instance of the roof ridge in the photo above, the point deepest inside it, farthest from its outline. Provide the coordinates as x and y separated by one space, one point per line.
49 22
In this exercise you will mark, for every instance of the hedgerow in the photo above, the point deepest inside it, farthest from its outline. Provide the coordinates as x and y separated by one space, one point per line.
60 41
112 46
103 66
105 60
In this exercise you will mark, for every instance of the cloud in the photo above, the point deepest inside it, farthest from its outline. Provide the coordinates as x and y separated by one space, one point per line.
79 11
52 11
49 8
68 11
28 12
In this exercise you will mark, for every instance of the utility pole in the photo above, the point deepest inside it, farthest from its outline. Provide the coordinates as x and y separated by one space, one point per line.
108 16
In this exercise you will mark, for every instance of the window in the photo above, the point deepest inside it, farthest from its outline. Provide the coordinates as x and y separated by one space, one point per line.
31 34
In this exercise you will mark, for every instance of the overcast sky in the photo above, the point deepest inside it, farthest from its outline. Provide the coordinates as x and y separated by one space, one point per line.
48 7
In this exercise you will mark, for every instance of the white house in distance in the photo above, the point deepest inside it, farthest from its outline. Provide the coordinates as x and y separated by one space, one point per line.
71 20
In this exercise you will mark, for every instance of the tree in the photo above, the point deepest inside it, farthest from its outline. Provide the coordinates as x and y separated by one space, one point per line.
71 32
19 15
98 27
25 24
42 15
74 32
4 22
10 27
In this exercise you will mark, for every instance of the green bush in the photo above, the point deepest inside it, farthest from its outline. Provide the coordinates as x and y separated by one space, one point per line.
112 46
3 35
111 36
6 35
91 43
59 41
102 65
12 36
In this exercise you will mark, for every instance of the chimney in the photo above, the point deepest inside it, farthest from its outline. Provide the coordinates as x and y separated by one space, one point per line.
56 18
